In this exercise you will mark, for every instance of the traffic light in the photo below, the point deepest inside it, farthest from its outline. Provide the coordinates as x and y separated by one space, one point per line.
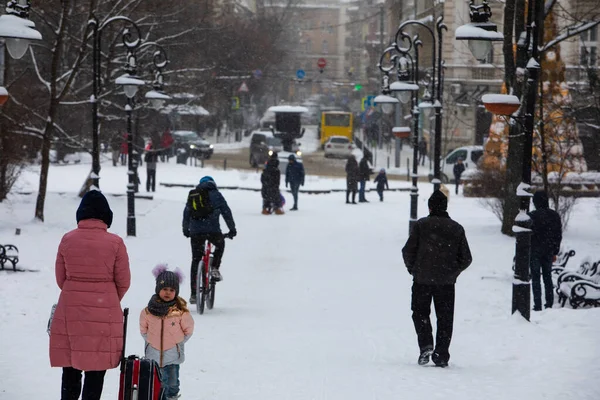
358 87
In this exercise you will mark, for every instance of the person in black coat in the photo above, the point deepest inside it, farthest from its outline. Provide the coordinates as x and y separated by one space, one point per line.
545 245
270 180
365 176
352 178
435 254
458 170
382 183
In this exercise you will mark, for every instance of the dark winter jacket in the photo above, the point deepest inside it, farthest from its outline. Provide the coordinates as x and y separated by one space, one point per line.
437 250
382 181
151 158
547 227
210 224
365 170
352 174
458 170
270 179
294 173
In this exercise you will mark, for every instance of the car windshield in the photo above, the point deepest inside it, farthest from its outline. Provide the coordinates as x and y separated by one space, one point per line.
186 135
339 140
272 141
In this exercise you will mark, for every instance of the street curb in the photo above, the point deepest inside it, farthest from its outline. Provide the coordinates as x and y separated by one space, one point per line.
305 191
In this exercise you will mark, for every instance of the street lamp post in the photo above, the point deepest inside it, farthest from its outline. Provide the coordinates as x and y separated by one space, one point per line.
528 50
97 29
17 29
130 84
436 84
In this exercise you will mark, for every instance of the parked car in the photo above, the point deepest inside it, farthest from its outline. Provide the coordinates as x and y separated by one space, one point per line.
192 143
470 156
262 145
338 146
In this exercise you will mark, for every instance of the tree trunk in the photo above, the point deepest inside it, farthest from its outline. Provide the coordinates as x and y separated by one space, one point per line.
41 197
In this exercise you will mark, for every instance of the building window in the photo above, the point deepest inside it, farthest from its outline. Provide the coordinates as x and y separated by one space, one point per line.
588 55
325 47
330 29
308 46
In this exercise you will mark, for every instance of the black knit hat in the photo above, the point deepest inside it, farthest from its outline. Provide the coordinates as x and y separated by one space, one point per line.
167 279
94 206
438 201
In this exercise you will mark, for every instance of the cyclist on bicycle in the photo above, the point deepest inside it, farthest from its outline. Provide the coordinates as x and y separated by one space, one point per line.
203 208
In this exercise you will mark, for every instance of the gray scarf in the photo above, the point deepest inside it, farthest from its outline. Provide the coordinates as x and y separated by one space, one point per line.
158 307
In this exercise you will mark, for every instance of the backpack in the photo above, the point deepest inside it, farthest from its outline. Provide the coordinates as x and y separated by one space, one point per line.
199 204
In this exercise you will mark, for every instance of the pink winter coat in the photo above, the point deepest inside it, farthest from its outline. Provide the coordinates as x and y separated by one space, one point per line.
92 271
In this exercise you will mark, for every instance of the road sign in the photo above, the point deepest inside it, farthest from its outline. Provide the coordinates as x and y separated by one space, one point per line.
367 102
243 88
257 73
235 103
300 74
321 63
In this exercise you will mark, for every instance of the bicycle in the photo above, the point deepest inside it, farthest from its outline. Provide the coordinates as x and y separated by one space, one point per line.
205 289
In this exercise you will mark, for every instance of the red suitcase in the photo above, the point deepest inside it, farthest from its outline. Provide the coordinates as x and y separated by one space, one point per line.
140 377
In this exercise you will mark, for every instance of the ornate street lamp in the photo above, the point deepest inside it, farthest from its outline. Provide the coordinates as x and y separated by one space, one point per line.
436 84
523 112
480 33
130 84
17 29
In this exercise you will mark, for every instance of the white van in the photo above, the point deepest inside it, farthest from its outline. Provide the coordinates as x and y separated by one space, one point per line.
470 156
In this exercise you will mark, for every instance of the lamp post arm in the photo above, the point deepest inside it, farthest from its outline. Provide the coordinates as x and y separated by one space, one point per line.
402 36
441 27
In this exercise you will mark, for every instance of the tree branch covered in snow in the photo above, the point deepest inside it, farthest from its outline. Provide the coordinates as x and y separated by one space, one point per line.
570 32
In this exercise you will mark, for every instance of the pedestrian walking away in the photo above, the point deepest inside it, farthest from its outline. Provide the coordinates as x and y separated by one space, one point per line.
203 208
352 178
458 170
294 176
422 147
545 245
166 325
151 159
435 254
365 176
270 179
92 272
382 183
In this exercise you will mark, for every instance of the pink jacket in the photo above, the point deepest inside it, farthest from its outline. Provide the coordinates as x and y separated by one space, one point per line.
165 334
92 271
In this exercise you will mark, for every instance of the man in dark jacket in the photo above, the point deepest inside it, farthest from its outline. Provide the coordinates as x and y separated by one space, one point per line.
352 178
545 245
294 176
209 228
458 170
365 176
270 179
151 159
435 254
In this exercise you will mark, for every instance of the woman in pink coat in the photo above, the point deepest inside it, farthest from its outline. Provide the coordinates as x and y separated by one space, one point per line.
92 271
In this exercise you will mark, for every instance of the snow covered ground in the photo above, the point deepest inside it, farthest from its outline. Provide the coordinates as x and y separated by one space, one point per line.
314 304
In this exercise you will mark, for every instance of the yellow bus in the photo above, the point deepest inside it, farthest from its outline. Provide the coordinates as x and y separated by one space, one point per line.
336 123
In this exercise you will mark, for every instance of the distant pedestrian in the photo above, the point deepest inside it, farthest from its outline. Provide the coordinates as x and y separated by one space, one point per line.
365 176
151 159
458 170
270 179
435 254
294 176
545 245
352 178
422 151
382 183
124 150
92 272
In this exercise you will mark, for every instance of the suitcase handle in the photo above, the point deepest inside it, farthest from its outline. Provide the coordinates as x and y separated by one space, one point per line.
125 315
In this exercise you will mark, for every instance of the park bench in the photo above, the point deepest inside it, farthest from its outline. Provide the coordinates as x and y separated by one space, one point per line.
9 254
581 287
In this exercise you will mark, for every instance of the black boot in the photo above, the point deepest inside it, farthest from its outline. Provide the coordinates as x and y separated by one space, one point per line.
424 357
354 197
347 197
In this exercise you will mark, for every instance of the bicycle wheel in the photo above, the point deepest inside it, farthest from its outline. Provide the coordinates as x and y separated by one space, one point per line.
200 289
210 302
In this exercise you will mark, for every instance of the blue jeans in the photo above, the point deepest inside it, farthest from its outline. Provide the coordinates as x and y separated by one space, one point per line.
169 380
361 191
295 187
541 264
